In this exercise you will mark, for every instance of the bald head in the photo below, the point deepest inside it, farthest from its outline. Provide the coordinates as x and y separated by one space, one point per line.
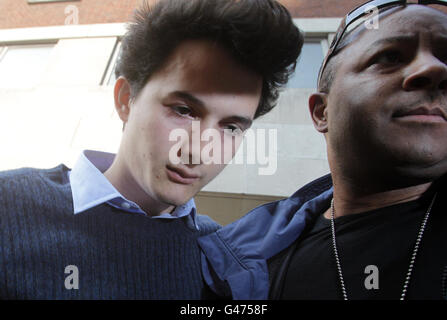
355 33
385 115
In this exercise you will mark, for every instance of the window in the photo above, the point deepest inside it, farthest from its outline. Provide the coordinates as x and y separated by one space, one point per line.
306 72
23 66
109 76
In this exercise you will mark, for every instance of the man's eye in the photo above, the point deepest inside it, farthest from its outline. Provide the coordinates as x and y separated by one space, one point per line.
182 110
389 57
233 129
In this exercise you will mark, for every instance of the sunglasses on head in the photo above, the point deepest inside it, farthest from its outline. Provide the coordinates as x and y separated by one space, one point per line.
360 12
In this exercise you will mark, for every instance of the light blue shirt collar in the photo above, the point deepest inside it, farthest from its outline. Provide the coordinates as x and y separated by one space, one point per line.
90 188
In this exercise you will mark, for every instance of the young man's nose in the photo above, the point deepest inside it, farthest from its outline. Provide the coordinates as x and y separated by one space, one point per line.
426 72
191 152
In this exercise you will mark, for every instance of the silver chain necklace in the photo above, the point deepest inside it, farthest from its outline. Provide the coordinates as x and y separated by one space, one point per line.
413 256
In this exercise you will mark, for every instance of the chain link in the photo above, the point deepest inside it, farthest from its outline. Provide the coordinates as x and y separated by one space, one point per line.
413 256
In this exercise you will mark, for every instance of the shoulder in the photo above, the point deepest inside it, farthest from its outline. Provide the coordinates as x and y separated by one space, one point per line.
32 173
23 183
56 175
206 224
17 179
15 174
258 231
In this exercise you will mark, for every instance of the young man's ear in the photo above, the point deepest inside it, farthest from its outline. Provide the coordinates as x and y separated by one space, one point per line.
122 98
318 111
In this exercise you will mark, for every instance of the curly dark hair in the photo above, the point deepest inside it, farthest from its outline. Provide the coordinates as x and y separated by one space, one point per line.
260 34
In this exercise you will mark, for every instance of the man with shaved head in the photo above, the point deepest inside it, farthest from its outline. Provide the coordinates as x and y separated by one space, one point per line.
375 228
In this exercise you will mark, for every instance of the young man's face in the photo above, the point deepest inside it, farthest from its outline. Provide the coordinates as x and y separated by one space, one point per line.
199 81
387 107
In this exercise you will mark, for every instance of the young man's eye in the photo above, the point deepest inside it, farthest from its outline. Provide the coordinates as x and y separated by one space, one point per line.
182 110
233 129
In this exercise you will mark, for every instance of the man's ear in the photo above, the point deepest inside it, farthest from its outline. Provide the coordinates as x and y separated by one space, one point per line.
318 111
121 94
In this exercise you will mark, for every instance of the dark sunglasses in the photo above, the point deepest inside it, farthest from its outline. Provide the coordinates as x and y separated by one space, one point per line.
359 12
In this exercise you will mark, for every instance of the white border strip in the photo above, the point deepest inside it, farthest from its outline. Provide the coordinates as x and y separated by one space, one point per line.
311 26
54 33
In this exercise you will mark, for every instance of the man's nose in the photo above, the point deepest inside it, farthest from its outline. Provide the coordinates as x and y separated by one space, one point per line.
189 153
426 72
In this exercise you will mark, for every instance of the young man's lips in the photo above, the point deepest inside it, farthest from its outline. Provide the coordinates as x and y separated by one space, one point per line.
180 175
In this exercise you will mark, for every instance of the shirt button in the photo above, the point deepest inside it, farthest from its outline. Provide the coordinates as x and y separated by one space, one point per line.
125 205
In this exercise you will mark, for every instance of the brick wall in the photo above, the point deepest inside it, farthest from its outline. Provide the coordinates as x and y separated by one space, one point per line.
320 8
21 14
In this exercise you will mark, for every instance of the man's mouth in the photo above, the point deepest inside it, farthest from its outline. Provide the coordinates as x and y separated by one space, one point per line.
181 175
422 114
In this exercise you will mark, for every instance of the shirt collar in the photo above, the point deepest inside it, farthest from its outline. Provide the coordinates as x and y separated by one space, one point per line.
90 188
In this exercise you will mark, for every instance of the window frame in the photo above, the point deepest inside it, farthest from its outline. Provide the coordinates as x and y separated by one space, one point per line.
3 50
110 69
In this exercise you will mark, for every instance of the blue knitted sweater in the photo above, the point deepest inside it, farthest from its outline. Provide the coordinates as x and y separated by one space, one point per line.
117 255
